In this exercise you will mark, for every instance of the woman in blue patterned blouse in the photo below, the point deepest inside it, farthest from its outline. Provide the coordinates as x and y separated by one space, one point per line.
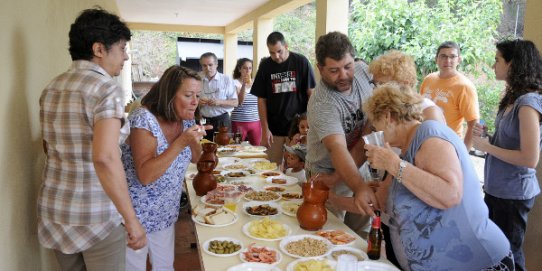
164 139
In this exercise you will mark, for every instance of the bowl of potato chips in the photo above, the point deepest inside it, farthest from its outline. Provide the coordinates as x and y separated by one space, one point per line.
266 229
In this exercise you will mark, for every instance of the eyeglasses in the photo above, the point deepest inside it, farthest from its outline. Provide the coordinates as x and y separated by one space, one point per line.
444 57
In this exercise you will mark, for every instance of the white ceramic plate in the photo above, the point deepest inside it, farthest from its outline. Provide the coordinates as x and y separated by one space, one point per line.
227 160
287 210
254 160
247 233
277 198
254 148
346 234
220 225
191 176
256 203
232 174
271 173
206 246
226 151
253 267
235 166
204 201
375 266
294 238
289 180
291 266
358 252
277 260
274 188
292 193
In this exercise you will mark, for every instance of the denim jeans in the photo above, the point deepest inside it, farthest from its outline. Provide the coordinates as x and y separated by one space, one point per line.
511 217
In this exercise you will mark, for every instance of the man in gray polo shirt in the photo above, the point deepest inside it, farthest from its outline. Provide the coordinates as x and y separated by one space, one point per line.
336 122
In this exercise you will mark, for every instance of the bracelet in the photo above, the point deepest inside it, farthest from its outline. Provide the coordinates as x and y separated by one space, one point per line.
402 166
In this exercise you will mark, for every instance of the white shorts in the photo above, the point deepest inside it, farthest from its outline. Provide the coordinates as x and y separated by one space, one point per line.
160 248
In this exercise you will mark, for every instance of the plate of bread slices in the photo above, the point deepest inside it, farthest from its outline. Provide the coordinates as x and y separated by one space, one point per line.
212 216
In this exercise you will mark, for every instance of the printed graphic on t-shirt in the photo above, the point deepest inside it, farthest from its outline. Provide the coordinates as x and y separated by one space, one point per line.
439 95
284 82
352 128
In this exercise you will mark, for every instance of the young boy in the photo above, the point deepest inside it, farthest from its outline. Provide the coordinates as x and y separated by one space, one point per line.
295 161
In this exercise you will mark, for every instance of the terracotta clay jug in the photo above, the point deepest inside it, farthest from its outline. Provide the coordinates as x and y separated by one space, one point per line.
312 214
204 181
209 153
223 136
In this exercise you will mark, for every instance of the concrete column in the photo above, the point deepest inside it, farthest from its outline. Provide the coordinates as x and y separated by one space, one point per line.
230 52
533 237
262 28
125 78
331 15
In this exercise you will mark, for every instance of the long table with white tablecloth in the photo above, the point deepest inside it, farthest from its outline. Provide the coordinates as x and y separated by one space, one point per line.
204 233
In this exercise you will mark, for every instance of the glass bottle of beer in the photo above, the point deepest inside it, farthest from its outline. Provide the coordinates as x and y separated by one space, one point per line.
375 238
238 136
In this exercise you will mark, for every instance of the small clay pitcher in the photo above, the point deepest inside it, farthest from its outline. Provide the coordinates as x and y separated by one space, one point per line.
204 181
223 136
312 214
209 153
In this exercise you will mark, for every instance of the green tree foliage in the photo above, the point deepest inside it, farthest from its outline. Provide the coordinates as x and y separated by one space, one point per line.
153 51
298 26
417 27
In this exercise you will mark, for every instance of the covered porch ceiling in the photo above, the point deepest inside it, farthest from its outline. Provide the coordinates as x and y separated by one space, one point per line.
204 16
228 17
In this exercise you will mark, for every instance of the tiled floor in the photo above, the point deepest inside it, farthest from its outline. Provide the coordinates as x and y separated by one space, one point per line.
186 255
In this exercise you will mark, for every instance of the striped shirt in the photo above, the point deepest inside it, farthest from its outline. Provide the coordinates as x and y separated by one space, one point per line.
248 110
74 212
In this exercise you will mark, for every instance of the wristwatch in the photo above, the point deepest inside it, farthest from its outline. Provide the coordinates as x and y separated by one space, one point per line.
402 166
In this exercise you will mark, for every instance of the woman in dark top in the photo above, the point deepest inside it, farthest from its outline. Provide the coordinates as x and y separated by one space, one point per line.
510 182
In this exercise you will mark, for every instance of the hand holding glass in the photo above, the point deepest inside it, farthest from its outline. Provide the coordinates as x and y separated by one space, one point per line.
375 138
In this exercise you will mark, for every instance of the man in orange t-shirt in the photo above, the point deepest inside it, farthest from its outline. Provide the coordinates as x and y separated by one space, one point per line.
452 91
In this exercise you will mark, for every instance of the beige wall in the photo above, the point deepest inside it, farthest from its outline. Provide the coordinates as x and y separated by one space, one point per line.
33 49
533 237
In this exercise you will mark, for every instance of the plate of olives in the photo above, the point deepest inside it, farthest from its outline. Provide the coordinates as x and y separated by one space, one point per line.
222 246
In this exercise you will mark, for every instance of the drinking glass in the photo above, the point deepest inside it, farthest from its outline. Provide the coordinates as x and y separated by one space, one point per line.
375 138
484 134
231 199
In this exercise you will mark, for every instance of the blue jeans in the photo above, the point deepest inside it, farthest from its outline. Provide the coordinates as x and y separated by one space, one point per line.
511 217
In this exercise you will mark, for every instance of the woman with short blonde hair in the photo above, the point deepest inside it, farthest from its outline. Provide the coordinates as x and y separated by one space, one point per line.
438 219
396 66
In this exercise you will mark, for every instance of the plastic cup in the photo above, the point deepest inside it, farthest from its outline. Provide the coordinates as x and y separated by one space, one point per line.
484 133
375 138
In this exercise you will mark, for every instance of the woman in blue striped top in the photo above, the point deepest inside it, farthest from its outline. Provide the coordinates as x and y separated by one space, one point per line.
245 118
